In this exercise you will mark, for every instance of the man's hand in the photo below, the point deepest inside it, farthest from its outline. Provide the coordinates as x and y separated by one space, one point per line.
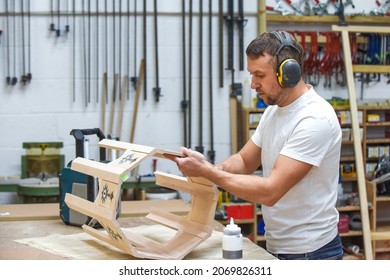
192 164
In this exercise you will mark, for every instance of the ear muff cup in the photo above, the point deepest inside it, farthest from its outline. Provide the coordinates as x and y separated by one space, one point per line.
289 73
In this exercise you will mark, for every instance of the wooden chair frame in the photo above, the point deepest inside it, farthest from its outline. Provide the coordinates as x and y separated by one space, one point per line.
191 230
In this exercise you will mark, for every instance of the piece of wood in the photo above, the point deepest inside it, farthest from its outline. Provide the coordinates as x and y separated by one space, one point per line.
192 229
384 69
125 82
104 101
51 211
361 29
233 124
137 95
368 251
122 146
112 111
380 235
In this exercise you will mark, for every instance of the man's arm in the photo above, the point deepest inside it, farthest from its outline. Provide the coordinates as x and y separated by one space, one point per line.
246 161
286 173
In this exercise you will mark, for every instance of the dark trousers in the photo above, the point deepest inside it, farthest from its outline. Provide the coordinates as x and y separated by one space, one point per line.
331 251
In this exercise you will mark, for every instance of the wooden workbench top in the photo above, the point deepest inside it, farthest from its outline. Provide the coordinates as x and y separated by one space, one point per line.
50 211
20 221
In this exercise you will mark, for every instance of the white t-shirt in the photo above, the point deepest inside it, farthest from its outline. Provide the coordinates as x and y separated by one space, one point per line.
305 218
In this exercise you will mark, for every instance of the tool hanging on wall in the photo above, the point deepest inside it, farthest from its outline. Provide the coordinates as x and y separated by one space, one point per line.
106 66
190 75
200 148
89 78
67 26
84 44
145 49
312 63
211 152
156 89
14 79
97 40
184 101
125 82
24 78
74 50
120 48
134 79
220 43
128 41
29 74
58 30
115 74
229 18
235 88
340 14
136 102
52 25
103 102
112 111
241 22
7 31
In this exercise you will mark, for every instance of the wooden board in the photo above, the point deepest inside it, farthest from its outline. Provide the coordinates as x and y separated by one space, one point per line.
50 211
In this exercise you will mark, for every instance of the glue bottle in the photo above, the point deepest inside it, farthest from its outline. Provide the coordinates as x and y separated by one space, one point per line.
232 241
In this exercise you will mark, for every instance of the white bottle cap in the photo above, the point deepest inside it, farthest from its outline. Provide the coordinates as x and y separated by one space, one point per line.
232 228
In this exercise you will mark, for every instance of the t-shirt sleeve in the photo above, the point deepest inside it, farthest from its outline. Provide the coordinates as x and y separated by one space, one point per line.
309 141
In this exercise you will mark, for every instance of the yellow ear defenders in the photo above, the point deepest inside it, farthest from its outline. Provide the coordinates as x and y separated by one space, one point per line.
288 71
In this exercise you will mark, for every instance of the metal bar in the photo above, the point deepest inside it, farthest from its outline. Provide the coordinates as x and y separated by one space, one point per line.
145 50
184 102
200 148
220 42
157 89
190 75
211 152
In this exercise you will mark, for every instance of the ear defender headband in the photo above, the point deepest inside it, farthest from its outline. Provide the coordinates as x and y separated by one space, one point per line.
288 71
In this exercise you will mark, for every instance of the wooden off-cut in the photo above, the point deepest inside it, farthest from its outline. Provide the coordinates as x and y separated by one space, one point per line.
191 229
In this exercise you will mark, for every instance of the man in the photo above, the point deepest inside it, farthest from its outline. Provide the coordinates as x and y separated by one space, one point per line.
297 144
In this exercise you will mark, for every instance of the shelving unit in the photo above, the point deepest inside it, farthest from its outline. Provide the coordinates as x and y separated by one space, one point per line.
369 139
358 149
380 229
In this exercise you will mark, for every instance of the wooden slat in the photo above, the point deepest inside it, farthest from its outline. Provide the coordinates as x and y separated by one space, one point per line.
98 169
380 235
361 29
361 68
327 19
51 211
179 223
355 126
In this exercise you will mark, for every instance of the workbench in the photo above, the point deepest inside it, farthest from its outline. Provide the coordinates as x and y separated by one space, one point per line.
49 192
20 221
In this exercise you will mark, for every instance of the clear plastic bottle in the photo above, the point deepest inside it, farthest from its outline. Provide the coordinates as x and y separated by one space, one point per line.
232 241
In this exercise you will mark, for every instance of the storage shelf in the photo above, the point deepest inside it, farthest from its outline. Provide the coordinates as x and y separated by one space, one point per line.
358 19
352 233
378 141
348 208
347 158
383 198
374 124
